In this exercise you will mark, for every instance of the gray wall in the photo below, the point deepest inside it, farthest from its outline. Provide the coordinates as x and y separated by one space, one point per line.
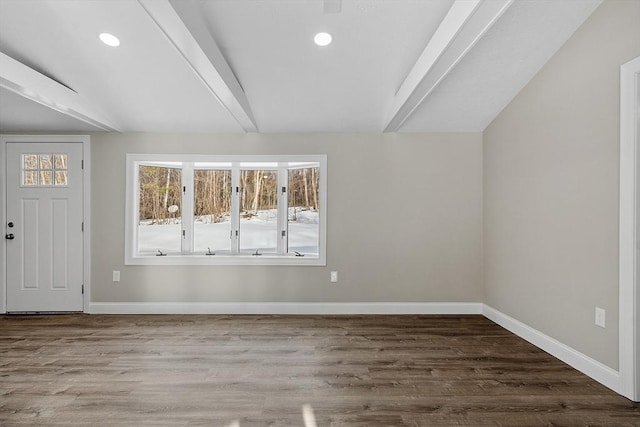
551 189
404 222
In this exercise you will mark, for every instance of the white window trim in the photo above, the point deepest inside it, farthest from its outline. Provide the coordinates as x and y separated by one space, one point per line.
131 209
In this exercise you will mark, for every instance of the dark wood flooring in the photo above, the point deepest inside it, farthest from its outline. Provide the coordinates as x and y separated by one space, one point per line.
81 370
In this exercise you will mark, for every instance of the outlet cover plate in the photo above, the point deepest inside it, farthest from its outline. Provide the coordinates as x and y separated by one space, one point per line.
600 317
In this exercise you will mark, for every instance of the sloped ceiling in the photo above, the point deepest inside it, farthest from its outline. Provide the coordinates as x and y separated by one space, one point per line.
230 66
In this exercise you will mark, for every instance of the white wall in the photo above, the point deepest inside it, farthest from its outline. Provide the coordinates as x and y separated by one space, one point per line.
551 172
417 237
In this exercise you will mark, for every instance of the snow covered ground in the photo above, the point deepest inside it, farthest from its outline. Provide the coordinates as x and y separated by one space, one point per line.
260 232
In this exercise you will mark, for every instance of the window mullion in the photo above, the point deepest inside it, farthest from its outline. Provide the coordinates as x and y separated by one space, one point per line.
235 208
282 211
187 208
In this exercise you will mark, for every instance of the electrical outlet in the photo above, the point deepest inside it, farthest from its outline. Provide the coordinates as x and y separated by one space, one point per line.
116 275
600 317
334 276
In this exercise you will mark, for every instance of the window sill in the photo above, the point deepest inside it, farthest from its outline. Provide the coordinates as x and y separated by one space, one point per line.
223 259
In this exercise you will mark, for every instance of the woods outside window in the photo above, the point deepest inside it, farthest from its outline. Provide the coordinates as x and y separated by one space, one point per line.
204 209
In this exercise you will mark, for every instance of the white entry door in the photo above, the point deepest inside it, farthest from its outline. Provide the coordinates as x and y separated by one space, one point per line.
44 227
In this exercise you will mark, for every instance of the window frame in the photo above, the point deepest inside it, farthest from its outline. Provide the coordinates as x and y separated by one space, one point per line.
188 164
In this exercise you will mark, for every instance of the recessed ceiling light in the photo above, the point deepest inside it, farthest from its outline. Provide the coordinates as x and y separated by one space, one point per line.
109 39
322 39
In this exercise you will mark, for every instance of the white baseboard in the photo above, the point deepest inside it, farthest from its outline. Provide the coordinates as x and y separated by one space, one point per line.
286 308
583 363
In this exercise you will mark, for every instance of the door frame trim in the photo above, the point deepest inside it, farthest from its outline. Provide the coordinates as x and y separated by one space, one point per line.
629 292
85 140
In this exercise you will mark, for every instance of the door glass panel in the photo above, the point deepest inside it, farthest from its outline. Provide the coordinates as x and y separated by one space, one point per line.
45 162
46 177
212 211
61 177
44 170
30 161
29 178
60 161
160 212
258 211
303 210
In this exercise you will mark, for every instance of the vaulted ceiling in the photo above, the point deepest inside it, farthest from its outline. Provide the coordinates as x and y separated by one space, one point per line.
231 66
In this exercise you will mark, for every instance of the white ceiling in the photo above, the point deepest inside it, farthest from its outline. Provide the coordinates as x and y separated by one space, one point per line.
231 66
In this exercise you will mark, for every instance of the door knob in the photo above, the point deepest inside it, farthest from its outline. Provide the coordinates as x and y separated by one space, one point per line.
9 236
10 225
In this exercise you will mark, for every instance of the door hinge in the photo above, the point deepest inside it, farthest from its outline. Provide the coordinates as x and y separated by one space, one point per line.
82 227
284 233
82 164
284 190
82 289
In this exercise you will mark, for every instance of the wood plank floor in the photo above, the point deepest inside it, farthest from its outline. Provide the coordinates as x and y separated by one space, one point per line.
79 370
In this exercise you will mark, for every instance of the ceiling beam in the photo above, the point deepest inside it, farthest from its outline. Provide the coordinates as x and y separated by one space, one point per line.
182 23
464 24
30 84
